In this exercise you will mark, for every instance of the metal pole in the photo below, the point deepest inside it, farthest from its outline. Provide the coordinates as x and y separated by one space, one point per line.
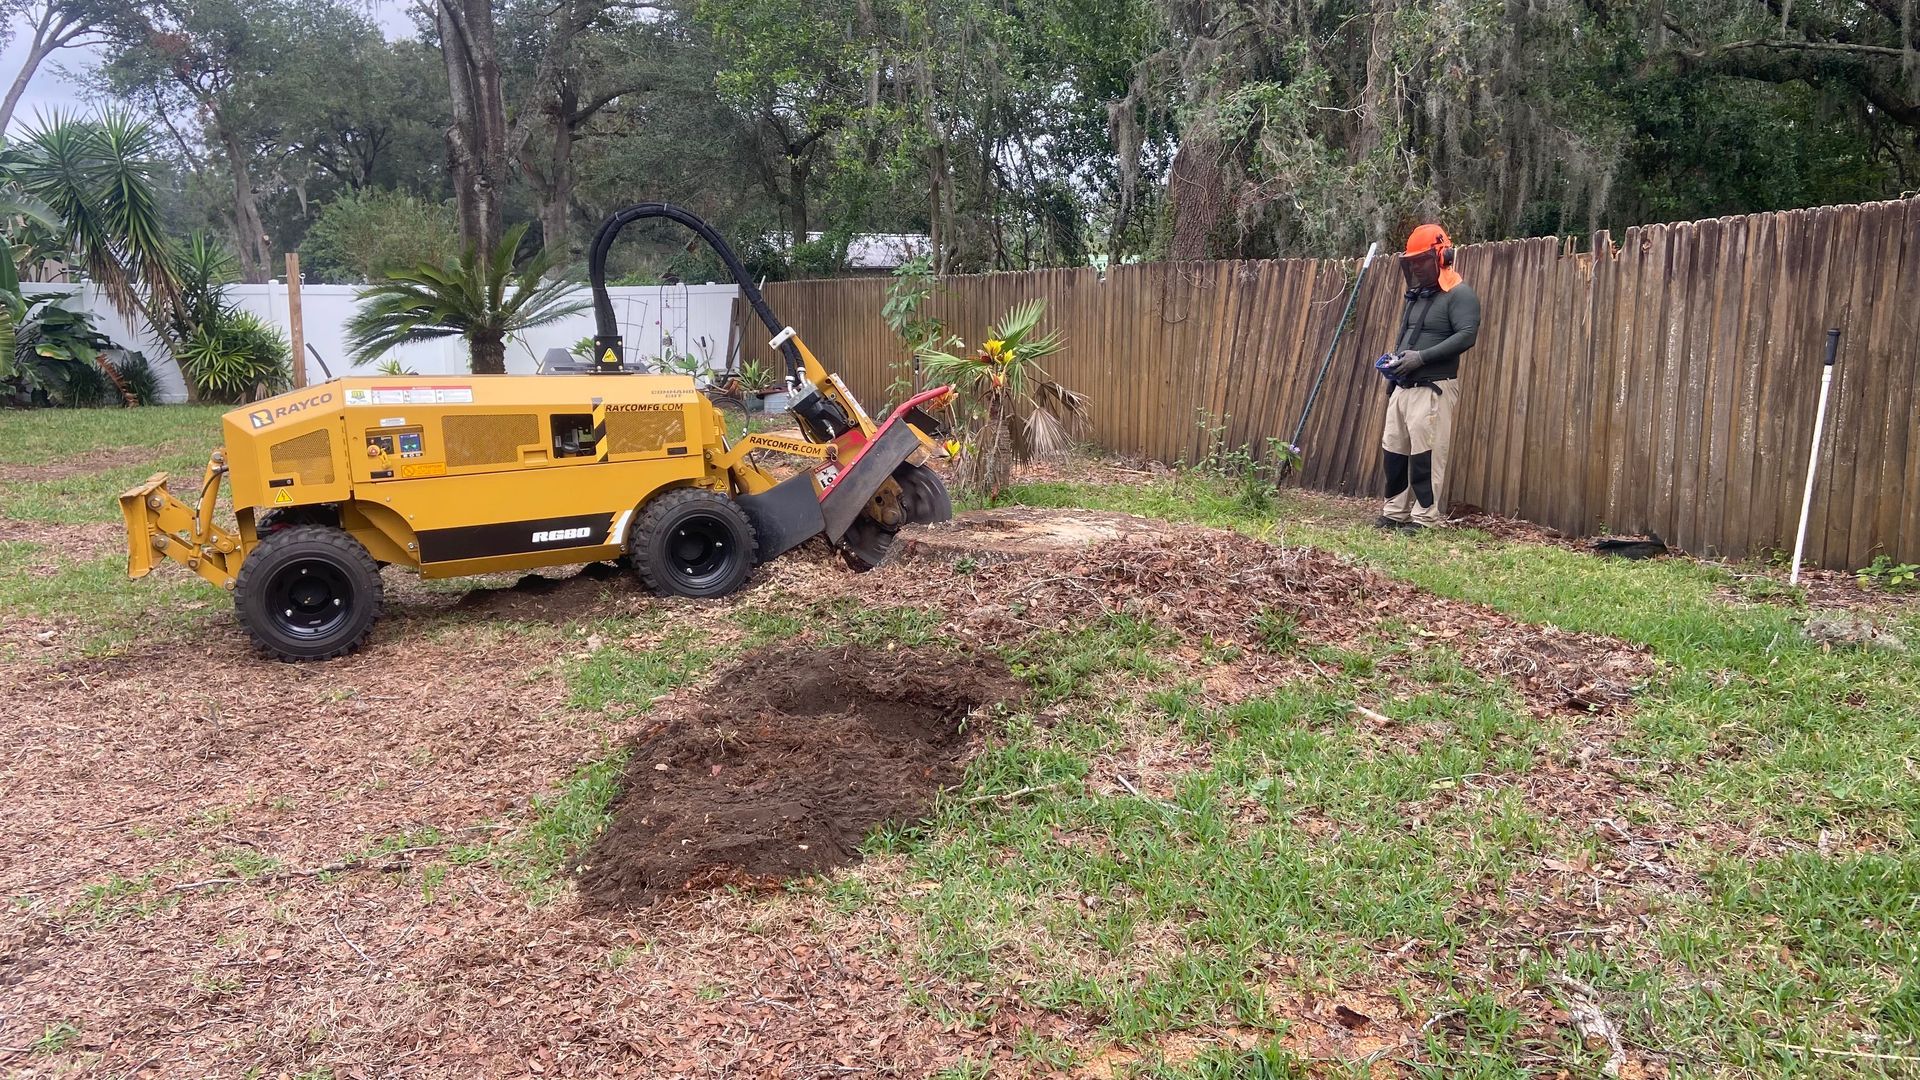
1813 452
1339 329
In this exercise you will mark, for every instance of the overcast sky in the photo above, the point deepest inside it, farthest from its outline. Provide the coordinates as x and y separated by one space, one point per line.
52 89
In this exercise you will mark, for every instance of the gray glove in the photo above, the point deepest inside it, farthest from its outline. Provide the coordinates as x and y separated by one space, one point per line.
1405 363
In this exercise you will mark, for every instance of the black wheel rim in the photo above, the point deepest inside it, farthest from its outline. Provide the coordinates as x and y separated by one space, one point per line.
699 551
310 599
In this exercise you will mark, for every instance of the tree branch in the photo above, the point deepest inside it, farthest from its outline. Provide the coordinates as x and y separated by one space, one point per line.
585 112
1813 46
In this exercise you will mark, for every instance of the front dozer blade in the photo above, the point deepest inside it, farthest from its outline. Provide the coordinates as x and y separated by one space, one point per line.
856 485
141 523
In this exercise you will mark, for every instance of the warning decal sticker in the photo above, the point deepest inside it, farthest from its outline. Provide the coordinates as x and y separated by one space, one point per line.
419 395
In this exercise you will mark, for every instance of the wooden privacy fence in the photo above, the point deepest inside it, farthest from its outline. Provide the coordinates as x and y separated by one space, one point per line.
1665 385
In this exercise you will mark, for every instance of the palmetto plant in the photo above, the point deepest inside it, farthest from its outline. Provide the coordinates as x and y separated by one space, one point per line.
484 300
1004 384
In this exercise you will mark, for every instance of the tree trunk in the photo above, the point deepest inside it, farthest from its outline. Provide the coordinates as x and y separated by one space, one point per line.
477 138
55 27
797 199
1196 197
32 64
556 187
487 354
250 233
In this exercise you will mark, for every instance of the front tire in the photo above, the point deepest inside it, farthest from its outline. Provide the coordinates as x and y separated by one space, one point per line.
308 592
693 542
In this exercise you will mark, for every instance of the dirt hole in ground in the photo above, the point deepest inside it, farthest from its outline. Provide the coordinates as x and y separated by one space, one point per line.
784 765
554 598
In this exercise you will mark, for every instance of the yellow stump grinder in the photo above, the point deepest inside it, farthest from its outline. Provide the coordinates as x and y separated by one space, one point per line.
476 474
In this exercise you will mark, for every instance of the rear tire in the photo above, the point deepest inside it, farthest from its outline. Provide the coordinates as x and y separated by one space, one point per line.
692 542
308 592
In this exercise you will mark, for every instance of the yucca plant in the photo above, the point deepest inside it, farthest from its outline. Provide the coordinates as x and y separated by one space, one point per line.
226 353
1004 385
95 178
484 300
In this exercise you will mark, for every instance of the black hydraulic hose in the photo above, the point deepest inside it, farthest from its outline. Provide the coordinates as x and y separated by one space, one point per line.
607 330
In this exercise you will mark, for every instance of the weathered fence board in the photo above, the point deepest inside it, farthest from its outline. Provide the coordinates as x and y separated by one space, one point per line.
1666 384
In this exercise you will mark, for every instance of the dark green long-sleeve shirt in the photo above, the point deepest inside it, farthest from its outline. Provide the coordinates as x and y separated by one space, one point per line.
1440 327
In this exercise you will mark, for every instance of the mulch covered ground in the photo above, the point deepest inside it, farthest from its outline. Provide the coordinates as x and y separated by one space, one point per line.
1048 569
223 862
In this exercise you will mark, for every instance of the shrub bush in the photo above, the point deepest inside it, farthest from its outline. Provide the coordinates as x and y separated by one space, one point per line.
236 356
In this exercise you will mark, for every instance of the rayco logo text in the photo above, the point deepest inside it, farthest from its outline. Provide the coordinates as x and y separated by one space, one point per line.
262 417
551 535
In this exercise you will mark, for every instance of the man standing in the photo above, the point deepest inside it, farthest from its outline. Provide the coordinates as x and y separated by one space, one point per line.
1440 321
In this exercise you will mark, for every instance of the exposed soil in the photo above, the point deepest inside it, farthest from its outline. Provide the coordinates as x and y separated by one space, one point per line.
69 543
785 766
595 588
78 465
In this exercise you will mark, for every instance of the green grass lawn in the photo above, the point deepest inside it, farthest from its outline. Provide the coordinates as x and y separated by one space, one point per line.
1806 935
97 454
1287 851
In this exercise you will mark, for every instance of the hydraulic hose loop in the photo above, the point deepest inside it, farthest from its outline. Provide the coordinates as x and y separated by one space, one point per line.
607 330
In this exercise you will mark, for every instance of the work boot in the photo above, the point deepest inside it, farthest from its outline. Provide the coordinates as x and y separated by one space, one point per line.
1387 524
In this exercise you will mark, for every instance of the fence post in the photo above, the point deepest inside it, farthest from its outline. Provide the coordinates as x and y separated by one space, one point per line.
293 320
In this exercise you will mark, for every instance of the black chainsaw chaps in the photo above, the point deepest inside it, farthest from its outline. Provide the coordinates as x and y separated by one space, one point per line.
1422 471
1396 473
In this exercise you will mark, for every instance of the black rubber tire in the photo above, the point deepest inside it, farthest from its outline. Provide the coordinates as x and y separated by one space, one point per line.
308 592
692 542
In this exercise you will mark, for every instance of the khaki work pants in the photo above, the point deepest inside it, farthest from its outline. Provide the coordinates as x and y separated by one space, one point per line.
1419 430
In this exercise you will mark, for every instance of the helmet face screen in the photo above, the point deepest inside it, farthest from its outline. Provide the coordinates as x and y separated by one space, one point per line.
1421 270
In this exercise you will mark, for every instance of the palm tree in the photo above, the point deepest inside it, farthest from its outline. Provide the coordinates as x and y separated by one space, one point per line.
1001 381
81 191
485 301
95 178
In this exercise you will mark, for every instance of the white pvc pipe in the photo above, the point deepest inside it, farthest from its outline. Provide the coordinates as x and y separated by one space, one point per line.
1813 454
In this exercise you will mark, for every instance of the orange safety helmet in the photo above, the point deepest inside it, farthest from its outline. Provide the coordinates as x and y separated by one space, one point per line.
1434 239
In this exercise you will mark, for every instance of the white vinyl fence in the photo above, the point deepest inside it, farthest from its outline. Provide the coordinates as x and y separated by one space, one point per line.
656 320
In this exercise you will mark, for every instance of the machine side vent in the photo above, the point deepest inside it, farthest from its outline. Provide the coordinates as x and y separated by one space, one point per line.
308 457
483 439
644 432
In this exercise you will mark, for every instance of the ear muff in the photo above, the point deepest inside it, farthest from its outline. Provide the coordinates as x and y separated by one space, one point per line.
1446 257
